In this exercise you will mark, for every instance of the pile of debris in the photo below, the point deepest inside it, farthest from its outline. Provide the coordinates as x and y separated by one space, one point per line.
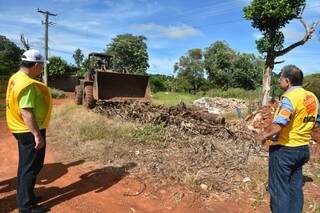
200 148
187 118
218 105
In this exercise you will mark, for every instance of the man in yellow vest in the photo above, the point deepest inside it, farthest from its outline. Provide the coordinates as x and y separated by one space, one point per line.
28 111
289 135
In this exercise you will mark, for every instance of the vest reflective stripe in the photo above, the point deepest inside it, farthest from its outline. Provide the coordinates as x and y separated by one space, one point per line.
17 83
298 131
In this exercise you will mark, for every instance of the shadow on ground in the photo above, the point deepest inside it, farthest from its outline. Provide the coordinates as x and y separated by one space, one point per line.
97 180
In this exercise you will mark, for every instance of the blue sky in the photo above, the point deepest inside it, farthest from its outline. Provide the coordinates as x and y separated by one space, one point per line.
171 27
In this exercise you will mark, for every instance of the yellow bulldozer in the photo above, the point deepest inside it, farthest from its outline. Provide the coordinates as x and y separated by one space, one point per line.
101 82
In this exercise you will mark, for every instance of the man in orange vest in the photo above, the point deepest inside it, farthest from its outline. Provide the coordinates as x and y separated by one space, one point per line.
28 112
289 137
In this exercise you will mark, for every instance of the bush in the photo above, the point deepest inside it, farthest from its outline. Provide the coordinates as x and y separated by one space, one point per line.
312 83
56 93
57 66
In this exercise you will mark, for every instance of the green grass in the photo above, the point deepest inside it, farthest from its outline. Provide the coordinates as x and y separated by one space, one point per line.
84 125
151 134
173 98
89 133
233 93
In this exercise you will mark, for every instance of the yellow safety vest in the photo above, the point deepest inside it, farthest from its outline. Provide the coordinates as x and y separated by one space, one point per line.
17 83
298 131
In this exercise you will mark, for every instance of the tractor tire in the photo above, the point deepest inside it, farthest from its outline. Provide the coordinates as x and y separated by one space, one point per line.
88 99
78 93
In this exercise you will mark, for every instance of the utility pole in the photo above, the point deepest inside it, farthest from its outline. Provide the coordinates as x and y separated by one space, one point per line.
46 23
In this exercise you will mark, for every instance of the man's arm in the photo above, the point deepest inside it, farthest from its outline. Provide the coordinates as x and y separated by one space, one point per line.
29 119
273 130
318 118
281 119
27 104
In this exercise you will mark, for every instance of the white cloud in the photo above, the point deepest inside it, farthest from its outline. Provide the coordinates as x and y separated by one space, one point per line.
171 32
292 34
20 18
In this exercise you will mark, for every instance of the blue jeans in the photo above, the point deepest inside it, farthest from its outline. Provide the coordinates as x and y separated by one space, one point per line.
286 179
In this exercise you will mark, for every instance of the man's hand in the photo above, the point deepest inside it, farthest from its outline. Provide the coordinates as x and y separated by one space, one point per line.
39 142
260 139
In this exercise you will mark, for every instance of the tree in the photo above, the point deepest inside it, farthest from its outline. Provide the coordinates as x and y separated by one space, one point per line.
10 56
190 70
270 16
218 62
247 73
275 90
78 57
84 66
57 66
130 53
311 83
161 83
25 42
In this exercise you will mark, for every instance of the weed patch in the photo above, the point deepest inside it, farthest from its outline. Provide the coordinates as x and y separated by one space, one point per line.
151 133
56 93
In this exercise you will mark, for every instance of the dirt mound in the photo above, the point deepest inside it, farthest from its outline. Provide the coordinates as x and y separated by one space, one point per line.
262 118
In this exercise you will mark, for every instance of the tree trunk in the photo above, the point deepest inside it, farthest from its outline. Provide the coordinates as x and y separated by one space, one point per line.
267 79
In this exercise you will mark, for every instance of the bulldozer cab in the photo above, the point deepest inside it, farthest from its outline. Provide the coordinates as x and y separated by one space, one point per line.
100 62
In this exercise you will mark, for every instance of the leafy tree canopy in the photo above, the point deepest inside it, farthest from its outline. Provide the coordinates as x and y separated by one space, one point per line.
130 53
57 66
78 57
10 56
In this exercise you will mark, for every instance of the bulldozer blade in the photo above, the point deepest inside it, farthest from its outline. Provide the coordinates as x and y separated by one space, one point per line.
117 85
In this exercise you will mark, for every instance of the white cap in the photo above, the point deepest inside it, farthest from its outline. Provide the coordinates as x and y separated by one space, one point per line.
33 56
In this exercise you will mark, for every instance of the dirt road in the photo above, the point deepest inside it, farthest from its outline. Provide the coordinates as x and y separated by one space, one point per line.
86 187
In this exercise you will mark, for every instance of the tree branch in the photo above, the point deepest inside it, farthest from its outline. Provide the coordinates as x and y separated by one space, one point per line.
24 42
279 62
308 35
